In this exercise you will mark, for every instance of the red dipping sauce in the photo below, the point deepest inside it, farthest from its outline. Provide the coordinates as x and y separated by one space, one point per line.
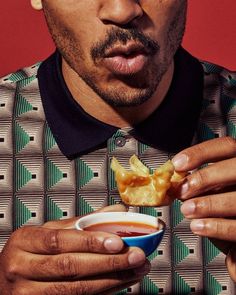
123 229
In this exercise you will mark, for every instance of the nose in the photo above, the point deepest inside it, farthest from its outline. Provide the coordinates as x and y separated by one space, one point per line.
120 12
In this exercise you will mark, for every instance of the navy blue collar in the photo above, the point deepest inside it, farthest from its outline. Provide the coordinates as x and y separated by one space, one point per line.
171 126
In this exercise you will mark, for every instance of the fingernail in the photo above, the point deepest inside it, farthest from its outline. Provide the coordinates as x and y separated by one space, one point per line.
180 161
197 226
136 258
116 207
113 244
143 270
188 208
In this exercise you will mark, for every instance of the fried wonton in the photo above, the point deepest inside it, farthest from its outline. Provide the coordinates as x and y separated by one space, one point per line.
137 187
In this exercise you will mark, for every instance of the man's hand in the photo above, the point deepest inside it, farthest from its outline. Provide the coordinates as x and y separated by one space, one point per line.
211 193
57 259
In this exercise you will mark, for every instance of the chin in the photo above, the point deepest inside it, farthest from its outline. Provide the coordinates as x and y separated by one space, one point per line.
127 97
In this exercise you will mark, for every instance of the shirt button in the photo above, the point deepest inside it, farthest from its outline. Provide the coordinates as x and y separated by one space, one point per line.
120 141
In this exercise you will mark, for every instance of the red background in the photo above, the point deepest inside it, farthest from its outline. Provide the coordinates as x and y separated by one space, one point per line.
210 34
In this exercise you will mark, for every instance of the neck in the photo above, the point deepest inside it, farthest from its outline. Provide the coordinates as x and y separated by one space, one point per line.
116 116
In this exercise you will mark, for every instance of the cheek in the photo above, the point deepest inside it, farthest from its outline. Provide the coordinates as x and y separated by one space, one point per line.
71 23
163 13
173 27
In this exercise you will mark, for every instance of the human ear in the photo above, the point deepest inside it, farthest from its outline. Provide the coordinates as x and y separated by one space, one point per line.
36 4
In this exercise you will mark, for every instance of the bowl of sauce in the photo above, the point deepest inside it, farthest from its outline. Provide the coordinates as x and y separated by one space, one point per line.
135 229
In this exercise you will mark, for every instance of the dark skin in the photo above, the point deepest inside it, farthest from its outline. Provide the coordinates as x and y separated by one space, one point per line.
57 259
52 259
209 194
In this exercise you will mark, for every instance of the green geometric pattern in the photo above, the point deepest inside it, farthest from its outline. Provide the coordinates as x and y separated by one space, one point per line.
232 82
23 214
23 83
83 207
49 140
142 148
17 76
23 175
112 146
205 103
205 132
232 129
153 255
213 287
85 173
53 211
148 287
149 211
122 292
177 216
113 200
210 250
229 103
112 181
48 186
54 174
180 286
211 68
22 137
181 251
22 105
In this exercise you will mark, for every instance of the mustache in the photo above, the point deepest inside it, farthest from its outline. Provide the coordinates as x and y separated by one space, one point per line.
116 35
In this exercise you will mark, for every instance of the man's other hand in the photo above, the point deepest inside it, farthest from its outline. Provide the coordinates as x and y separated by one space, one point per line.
209 193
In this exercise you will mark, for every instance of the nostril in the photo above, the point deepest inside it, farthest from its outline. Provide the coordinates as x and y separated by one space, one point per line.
121 13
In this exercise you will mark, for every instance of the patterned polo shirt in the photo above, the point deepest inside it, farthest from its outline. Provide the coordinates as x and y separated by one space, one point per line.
55 161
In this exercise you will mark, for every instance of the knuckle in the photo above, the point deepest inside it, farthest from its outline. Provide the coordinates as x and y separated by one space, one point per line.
229 230
82 287
11 271
92 243
197 180
20 290
205 206
52 241
198 149
71 288
59 289
221 229
68 265
115 262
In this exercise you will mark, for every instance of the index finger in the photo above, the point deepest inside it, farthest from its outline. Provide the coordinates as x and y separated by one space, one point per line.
209 151
39 240
216 228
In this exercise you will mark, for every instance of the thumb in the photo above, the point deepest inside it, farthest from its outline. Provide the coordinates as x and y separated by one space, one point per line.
114 208
70 222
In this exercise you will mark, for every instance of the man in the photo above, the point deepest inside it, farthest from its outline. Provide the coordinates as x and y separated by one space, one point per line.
119 84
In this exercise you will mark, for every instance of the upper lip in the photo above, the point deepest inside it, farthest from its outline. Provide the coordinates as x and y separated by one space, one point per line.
130 48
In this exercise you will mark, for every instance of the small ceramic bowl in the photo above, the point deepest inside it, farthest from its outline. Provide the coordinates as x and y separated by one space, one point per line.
148 242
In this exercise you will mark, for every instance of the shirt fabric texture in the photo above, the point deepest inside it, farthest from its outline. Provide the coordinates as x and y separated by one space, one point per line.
55 161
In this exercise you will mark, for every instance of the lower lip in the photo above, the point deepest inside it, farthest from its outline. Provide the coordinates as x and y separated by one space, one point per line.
122 65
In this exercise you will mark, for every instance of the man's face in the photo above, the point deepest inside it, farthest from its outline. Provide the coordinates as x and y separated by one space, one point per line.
121 48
